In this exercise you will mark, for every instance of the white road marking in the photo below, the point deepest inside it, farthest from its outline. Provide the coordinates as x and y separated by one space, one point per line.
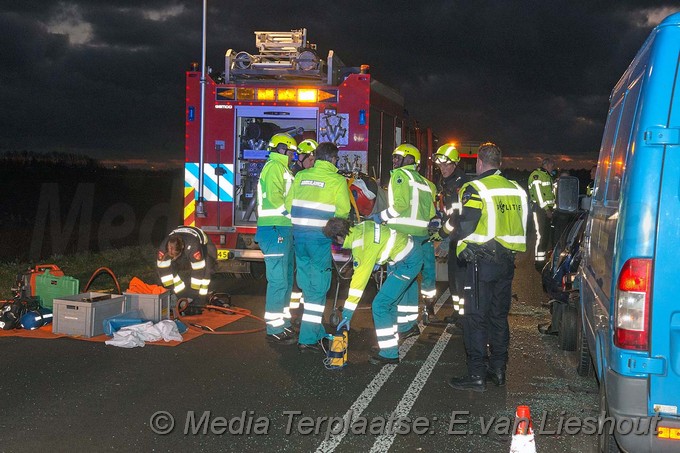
362 402
384 441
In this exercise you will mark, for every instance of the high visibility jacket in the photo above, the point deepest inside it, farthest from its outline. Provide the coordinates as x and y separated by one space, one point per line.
411 201
372 244
194 258
541 189
504 210
272 188
589 189
318 194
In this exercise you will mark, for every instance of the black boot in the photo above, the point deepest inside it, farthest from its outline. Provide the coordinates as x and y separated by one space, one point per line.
428 315
496 376
452 318
474 383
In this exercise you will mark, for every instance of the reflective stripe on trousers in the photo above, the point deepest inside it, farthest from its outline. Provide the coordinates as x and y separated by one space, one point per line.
313 261
278 262
399 287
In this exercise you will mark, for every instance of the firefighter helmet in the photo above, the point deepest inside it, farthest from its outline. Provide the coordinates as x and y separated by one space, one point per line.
307 146
407 150
445 153
282 139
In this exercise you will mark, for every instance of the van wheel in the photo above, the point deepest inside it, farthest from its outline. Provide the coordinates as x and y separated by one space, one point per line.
606 441
585 363
567 330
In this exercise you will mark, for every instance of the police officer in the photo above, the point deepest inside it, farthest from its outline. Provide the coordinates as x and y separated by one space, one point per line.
186 260
317 194
275 236
542 204
374 244
492 230
305 160
453 177
410 209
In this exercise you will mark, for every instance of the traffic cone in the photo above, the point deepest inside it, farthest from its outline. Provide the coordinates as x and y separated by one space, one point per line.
523 439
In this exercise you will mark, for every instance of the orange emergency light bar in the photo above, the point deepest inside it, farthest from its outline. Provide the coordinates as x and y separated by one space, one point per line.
266 94
245 94
302 95
307 95
287 94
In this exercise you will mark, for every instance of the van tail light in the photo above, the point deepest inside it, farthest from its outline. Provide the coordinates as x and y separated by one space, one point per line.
631 329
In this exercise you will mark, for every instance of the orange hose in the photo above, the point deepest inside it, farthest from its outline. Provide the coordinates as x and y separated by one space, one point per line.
97 273
226 311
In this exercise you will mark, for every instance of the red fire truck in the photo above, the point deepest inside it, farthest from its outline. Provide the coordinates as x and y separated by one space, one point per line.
286 87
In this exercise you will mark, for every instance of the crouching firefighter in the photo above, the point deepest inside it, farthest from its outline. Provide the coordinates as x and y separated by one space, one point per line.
374 244
493 229
186 261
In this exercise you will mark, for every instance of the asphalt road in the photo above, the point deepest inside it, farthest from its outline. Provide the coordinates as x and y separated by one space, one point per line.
237 393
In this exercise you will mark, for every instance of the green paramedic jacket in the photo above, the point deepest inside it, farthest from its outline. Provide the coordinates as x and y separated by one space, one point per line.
411 201
318 194
502 209
541 189
274 184
372 244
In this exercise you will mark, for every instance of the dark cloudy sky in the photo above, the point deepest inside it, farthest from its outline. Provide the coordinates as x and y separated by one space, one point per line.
106 77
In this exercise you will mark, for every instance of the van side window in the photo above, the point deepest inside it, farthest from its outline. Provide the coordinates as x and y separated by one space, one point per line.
604 162
623 138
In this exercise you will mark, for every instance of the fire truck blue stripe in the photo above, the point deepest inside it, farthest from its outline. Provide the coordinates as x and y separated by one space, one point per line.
210 181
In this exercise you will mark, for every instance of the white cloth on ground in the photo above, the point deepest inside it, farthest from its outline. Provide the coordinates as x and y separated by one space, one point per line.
136 335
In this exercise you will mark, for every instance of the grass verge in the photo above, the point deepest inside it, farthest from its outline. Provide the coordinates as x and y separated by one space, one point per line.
125 263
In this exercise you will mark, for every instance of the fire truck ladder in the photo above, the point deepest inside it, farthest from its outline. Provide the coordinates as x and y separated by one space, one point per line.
281 55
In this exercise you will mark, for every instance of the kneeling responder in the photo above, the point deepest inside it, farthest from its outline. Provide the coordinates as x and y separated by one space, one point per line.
374 244
187 255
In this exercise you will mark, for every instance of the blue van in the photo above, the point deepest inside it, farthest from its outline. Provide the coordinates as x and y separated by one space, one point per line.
630 270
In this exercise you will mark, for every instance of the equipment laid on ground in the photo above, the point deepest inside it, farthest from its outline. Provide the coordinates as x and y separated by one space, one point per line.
152 307
336 356
224 307
84 314
34 319
127 318
26 281
33 292
12 311
44 282
48 287
285 88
